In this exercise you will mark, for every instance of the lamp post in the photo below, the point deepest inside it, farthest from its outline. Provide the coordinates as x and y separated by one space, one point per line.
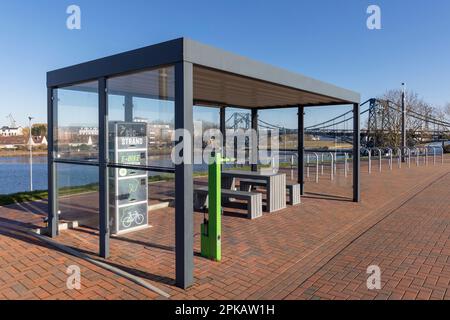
403 142
30 142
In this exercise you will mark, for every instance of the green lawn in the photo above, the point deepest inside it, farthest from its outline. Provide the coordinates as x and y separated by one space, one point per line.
43 194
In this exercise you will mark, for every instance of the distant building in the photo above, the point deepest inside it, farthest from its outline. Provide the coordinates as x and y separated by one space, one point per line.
86 131
40 141
11 132
11 142
157 134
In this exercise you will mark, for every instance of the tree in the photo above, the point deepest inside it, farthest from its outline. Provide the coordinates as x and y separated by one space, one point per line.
389 117
447 110
39 129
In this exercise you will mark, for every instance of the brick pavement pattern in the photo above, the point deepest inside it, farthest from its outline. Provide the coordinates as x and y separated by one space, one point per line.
318 250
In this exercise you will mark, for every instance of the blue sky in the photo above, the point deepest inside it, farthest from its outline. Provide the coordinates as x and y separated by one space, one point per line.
325 39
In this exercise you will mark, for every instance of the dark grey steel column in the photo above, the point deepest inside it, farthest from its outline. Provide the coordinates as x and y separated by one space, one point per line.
254 144
52 100
103 168
403 123
301 149
356 155
184 232
223 129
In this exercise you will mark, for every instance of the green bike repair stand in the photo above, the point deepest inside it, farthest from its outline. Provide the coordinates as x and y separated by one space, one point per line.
211 229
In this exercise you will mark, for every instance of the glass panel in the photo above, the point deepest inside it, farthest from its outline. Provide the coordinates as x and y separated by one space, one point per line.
141 116
206 120
141 127
78 196
237 122
76 122
281 122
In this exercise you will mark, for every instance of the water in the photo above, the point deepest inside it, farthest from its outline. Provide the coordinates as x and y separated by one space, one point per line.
15 174
15 171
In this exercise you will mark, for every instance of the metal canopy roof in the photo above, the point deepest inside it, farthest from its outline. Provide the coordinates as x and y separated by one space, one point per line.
219 77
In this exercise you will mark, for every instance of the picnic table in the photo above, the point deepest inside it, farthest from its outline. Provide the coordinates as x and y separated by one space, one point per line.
276 185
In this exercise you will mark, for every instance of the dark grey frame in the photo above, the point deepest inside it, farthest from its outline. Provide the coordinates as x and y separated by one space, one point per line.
183 54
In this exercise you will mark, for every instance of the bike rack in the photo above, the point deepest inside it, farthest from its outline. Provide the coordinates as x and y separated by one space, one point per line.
307 165
399 158
417 150
390 158
292 166
317 166
370 160
345 164
426 156
409 156
321 163
331 166
434 156
379 156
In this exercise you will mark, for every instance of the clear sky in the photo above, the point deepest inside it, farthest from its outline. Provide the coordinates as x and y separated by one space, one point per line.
325 39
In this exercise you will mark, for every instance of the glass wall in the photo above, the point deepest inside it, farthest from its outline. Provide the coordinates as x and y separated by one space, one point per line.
76 152
76 122
78 193
206 135
237 122
281 123
141 112
143 103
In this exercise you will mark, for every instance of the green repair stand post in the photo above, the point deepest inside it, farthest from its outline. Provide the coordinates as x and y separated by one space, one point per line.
211 229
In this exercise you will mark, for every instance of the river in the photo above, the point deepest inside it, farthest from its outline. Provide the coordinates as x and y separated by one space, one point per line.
15 172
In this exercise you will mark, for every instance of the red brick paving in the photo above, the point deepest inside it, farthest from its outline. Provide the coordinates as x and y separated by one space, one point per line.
318 250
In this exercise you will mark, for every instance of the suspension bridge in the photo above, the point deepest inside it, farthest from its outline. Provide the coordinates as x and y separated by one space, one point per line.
383 125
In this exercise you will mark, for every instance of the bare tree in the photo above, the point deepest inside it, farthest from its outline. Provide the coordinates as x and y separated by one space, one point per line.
447 110
389 117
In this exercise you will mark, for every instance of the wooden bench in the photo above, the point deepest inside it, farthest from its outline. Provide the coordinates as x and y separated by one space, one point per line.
293 189
254 200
